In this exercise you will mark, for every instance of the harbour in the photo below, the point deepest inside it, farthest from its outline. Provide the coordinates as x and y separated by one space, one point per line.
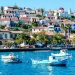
27 68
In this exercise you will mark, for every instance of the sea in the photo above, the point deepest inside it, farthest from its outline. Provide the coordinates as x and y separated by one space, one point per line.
28 68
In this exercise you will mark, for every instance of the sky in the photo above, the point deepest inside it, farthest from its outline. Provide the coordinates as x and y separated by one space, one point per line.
45 4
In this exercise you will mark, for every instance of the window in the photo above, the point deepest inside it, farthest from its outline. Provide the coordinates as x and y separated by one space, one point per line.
0 36
6 36
11 35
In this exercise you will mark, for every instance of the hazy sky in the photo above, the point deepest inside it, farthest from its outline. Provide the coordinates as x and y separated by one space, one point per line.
46 4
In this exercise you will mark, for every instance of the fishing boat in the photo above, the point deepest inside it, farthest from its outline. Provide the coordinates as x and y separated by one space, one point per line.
62 53
11 58
53 61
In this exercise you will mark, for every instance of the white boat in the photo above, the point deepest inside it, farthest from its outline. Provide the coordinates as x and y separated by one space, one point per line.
62 53
11 58
52 61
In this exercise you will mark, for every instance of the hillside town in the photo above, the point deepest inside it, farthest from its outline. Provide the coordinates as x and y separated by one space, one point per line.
28 25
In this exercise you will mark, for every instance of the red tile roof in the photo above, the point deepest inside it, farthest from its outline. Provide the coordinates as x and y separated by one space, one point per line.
7 15
54 21
61 8
4 19
25 19
39 27
14 19
67 22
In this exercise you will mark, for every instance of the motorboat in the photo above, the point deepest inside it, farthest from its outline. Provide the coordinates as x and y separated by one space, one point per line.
11 58
16 60
53 61
62 53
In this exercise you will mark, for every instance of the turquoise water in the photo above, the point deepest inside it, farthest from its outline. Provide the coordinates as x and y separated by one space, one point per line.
27 68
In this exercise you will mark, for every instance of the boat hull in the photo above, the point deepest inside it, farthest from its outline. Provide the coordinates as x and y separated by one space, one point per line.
59 63
12 61
52 63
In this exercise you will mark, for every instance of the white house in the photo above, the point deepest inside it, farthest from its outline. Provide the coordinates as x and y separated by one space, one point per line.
34 19
37 29
5 21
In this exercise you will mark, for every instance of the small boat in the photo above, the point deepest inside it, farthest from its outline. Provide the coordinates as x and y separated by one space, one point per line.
62 53
53 61
11 58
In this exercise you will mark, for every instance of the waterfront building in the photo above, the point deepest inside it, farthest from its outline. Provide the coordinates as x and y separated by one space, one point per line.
6 35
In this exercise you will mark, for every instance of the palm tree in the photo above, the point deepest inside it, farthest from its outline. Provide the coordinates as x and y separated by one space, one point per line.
42 10
63 28
66 28
2 8
69 29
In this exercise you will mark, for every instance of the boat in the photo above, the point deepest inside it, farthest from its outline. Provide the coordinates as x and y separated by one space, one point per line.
62 53
11 58
53 61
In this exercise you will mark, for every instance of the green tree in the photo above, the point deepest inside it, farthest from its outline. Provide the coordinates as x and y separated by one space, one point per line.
42 10
73 39
66 28
58 38
71 18
34 24
2 27
15 7
9 43
43 38
32 41
23 37
38 16
2 9
57 14
17 24
35 35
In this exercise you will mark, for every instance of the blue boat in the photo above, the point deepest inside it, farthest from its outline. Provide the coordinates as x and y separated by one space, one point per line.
53 61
